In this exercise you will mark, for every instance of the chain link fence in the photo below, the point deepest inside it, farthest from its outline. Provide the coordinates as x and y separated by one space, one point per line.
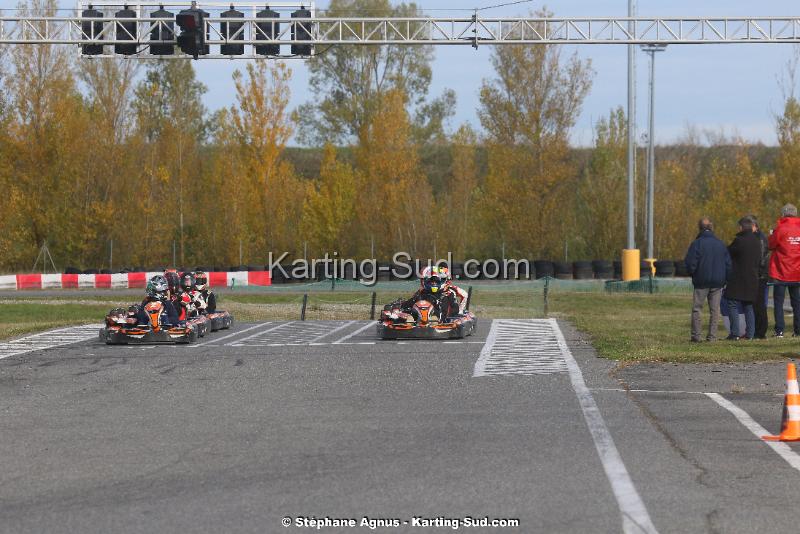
351 300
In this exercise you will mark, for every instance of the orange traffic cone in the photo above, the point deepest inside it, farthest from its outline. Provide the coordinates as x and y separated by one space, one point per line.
790 421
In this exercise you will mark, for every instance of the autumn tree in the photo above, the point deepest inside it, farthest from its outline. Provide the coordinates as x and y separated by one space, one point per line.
349 83
269 196
395 198
527 111
457 201
330 208
602 192
171 129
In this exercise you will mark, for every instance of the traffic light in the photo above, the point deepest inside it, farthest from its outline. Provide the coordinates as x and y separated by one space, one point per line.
192 39
91 31
301 31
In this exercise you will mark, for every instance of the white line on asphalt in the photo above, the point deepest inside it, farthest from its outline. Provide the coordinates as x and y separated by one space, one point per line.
635 518
268 330
329 332
351 334
486 351
783 450
233 334
48 339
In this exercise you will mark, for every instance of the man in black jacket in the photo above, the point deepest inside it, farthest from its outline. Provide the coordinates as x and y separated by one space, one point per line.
762 295
745 251
709 264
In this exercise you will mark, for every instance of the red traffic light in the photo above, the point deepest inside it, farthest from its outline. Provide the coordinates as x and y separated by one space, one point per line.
188 19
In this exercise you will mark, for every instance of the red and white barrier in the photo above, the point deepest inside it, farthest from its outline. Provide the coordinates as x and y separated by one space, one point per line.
123 280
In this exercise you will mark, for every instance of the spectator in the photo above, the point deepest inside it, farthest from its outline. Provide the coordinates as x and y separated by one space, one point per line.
709 265
745 251
762 295
784 266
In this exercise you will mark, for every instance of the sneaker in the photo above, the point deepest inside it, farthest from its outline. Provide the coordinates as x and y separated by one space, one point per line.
733 338
778 334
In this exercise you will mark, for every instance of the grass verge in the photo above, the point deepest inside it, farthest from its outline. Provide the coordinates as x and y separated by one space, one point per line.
641 327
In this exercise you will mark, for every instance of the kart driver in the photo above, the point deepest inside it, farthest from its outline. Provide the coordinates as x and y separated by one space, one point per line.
186 298
438 288
204 300
157 289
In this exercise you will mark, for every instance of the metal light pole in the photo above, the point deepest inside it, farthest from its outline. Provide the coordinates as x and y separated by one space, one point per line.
651 155
630 256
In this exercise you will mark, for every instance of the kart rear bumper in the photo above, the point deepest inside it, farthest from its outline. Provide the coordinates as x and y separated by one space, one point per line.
461 329
220 320
125 336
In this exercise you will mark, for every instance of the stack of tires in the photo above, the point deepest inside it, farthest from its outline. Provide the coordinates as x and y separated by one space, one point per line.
603 269
665 268
543 268
582 270
680 268
563 270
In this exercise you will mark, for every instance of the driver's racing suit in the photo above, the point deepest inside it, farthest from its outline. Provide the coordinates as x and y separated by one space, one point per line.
169 311
450 302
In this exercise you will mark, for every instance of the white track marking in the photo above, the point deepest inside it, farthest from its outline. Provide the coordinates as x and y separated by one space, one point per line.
520 347
236 342
232 334
635 518
326 334
50 339
352 334
783 450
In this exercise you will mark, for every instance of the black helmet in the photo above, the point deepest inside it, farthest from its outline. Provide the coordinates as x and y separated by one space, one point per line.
173 281
187 281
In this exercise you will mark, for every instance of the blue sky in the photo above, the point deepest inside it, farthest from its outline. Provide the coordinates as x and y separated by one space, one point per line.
731 87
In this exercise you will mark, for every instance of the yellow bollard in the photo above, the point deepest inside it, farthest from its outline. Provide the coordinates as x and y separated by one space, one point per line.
630 264
652 262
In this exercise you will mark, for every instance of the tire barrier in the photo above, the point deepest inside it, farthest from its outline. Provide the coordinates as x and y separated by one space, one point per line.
665 268
544 268
563 270
256 275
582 270
603 269
680 268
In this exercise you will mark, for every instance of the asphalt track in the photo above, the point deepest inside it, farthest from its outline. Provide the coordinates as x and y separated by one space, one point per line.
256 424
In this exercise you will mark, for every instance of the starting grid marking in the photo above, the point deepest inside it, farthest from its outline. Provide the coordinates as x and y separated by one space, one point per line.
292 333
49 340
521 347
312 333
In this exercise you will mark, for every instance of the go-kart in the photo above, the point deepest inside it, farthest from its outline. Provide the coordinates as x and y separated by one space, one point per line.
423 321
119 331
220 320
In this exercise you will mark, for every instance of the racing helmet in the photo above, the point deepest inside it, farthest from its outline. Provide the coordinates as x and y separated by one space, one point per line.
201 281
431 281
445 277
173 281
157 287
187 281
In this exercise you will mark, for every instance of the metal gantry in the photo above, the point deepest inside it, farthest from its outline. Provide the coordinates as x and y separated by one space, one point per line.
472 31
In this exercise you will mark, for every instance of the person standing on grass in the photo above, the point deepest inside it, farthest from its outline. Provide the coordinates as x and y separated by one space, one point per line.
709 264
762 295
784 266
742 287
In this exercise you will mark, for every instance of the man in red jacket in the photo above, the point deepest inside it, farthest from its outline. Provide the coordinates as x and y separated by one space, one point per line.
784 266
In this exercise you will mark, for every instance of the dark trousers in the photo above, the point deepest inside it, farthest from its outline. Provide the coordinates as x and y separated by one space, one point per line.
760 308
778 295
749 318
